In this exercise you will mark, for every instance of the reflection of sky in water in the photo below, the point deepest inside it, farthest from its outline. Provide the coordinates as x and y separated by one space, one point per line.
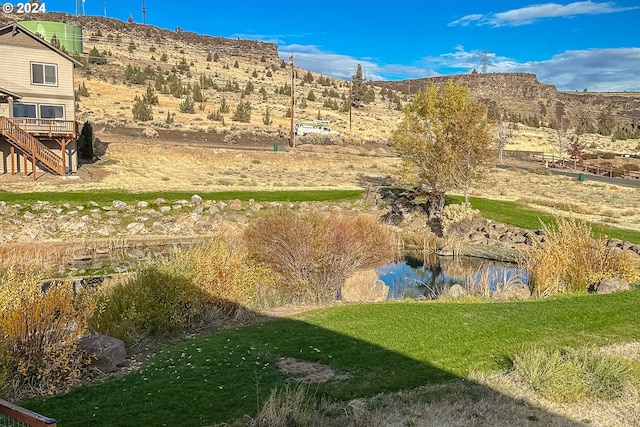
430 280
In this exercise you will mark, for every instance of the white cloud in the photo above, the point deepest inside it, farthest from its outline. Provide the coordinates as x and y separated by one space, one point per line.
310 57
530 14
598 70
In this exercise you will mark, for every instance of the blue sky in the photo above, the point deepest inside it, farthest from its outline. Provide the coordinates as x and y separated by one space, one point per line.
573 45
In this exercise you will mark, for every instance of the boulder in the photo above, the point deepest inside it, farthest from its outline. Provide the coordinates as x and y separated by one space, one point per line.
608 286
364 286
107 353
456 291
150 133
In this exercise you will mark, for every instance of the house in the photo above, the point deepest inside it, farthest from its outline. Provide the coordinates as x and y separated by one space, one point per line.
38 130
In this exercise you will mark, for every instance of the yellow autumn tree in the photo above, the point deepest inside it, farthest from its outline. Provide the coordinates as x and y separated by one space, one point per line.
444 142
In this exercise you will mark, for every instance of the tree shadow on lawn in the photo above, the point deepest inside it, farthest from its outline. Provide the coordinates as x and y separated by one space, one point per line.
227 375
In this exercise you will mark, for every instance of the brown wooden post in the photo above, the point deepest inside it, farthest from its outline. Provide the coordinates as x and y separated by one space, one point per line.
33 163
24 157
63 146
13 160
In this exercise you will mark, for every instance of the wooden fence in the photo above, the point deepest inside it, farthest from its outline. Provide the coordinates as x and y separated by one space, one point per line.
551 160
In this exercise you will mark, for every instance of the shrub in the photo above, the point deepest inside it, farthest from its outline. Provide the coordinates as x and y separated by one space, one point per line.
242 112
95 57
40 331
571 375
82 90
187 105
141 110
150 97
266 118
85 141
608 156
224 272
152 302
570 260
181 291
314 253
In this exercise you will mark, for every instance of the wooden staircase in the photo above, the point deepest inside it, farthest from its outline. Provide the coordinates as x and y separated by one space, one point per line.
33 149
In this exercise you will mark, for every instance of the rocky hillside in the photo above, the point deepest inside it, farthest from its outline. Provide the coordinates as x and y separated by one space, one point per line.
231 72
524 95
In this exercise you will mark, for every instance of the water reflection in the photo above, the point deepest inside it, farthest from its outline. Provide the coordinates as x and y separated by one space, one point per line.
429 278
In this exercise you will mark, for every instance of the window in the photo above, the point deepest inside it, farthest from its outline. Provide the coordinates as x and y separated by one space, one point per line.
24 110
44 74
51 111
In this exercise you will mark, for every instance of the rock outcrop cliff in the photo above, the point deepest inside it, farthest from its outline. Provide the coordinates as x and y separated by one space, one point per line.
523 94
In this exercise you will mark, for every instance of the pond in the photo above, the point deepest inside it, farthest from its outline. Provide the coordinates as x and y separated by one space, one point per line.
428 278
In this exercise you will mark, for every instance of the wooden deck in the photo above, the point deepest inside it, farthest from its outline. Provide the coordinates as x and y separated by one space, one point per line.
24 135
47 128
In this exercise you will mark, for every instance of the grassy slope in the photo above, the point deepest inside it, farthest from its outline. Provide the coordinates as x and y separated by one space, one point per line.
382 347
514 213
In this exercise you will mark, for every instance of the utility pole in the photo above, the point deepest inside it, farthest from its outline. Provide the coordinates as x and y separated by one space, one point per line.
144 14
105 9
292 137
485 61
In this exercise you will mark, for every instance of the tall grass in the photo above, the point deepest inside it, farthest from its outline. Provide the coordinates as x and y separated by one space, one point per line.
572 375
39 332
571 260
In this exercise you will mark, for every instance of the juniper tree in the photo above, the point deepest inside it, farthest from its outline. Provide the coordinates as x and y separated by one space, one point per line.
358 88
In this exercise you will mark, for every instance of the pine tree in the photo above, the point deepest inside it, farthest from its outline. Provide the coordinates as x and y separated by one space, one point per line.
187 105
358 88
150 97
265 118
242 112
141 111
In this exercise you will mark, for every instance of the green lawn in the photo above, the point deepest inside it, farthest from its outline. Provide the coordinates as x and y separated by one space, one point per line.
107 196
519 215
380 347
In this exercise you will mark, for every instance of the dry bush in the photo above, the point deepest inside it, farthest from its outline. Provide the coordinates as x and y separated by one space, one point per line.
153 302
320 139
181 292
314 253
40 331
225 272
571 259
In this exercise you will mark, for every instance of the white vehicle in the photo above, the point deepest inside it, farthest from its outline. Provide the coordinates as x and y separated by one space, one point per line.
317 126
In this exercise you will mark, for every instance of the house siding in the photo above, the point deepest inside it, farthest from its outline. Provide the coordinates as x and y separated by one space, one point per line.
18 50
15 73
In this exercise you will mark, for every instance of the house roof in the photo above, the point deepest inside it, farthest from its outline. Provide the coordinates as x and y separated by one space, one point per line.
17 27
5 93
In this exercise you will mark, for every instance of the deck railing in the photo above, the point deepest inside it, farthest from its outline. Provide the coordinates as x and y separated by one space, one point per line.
13 415
30 146
46 127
